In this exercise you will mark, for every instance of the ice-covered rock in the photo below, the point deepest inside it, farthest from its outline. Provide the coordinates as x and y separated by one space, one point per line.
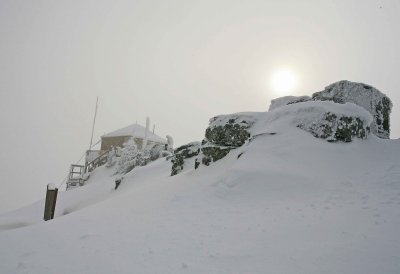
326 120
329 120
336 128
287 100
229 130
368 97
212 153
224 133
181 153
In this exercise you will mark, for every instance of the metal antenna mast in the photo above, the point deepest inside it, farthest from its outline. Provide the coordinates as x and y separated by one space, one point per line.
94 121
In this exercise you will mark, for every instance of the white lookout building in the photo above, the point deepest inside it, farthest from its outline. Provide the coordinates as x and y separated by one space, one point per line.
135 131
139 134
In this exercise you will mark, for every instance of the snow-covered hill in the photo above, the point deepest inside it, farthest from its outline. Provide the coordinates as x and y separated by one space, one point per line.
286 202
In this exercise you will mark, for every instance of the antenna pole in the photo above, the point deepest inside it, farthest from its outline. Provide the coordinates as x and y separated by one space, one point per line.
94 121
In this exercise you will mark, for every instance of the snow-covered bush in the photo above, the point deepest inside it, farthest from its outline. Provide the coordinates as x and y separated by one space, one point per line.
131 157
155 151
111 158
365 96
170 143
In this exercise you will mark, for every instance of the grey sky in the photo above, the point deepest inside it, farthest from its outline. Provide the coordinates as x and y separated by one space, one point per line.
179 62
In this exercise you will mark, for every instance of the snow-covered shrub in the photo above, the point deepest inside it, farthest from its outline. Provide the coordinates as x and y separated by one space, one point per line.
287 100
170 143
111 158
131 157
155 151
181 153
365 96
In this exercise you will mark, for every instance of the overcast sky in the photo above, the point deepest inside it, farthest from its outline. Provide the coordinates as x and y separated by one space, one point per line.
179 62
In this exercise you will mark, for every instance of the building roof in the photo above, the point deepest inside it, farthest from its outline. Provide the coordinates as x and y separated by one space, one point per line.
137 131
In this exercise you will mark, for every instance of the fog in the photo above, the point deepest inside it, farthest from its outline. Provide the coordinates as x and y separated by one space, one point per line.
178 62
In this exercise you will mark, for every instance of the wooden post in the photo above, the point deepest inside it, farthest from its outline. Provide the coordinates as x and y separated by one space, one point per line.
51 199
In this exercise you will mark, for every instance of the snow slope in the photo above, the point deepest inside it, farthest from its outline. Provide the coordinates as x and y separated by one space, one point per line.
290 203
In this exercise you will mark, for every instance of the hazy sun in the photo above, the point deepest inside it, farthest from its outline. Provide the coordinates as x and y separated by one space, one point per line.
283 81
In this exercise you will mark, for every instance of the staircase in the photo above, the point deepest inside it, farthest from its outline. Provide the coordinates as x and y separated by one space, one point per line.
75 176
77 173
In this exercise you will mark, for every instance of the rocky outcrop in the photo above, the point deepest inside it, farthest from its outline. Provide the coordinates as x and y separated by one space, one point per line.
341 112
225 132
229 130
181 153
335 128
365 96
212 153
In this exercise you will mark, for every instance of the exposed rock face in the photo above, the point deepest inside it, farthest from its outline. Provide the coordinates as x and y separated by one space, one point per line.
336 128
213 153
365 96
224 133
229 130
341 112
181 153
287 100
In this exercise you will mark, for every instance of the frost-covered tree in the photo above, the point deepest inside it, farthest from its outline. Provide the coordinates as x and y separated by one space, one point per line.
111 158
131 157
170 142
156 151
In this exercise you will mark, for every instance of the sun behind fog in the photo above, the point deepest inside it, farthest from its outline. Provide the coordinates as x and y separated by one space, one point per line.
283 82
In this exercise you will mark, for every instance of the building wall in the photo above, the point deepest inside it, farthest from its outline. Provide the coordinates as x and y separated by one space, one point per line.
108 142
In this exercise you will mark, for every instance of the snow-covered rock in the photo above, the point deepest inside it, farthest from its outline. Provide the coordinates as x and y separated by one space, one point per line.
224 133
181 153
229 130
323 119
212 153
326 120
368 97
335 128
287 100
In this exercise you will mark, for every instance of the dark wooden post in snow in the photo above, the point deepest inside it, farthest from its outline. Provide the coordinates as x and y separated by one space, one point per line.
51 199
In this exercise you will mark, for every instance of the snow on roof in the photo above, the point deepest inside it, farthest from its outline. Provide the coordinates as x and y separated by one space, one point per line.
135 130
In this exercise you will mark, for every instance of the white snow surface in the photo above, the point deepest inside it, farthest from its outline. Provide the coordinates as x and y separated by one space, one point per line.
291 203
242 118
51 186
286 100
311 112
